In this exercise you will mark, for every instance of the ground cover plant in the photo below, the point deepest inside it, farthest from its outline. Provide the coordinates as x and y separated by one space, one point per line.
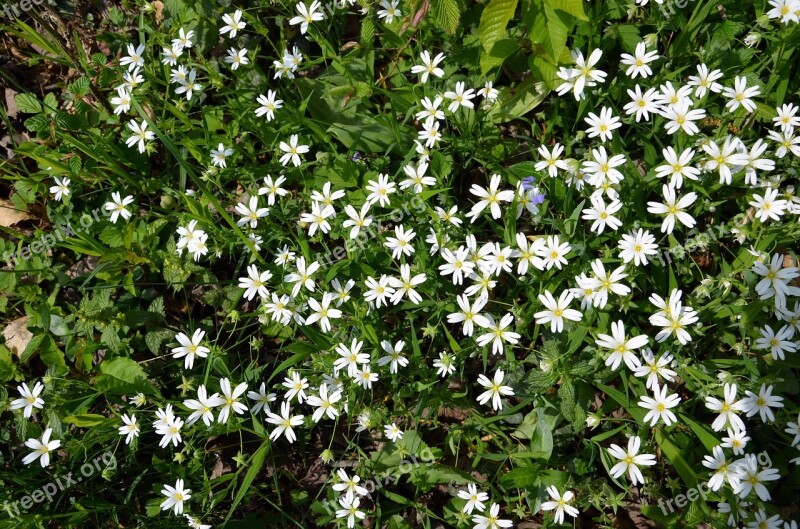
415 263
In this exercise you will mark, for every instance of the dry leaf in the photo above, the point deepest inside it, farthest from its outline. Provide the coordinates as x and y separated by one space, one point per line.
11 103
10 215
17 335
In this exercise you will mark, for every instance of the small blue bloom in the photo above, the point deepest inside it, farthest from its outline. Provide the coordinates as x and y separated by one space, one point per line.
528 182
356 157
538 198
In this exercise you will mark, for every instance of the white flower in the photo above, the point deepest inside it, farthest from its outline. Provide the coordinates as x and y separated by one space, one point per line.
497 334
350 357
736 440
379 190
461 97
457 264
255 283
184 40
551 160
490 197
139 134
740 94
495 390
296 387
652 368
622 347
678 167
474 499
637 246
727 409
230 400
349 503
349 485
232 24
642 104
292 150
488 91
41 448
269 104
660 406
175 497
29 400
122 101
170 56
302 278
307 15
787 118
117 206
357 220
323 312
400 244
378 290
705 80
602 215
751 478
557 311
188 85
272 189
559 503
630 459
761 403
429 66
190 348
318 218
602 125
405 285
392 432
393 356
430 133
725 158
638 64
553 252
768 205
603 168
237 58
445 365
134 58
324 403
679 117
723 469
417 178
130 428
220 154
284 423
202 407
584 73
673 208
389 11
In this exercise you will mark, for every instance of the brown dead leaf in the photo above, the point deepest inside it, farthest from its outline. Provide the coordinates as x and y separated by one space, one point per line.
17 335
11 103
10 215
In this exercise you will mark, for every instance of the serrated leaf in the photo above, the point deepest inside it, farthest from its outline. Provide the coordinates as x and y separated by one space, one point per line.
494 19
28 103
447 14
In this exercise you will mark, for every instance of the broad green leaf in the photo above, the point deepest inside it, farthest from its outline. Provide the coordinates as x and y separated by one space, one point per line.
123 376
494 19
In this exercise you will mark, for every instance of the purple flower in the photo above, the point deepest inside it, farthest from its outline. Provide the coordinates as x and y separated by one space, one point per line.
537 199
528 182
356 157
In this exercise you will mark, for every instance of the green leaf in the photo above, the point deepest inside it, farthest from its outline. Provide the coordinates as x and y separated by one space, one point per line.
255 464
447 14
572 7
494 19
28 103
123 376
515 102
